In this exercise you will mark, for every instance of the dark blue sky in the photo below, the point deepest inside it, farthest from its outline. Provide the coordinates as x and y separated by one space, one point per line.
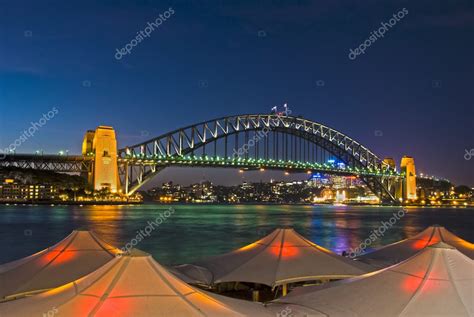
411 93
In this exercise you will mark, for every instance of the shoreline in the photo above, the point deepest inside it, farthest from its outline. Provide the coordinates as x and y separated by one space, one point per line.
304 204
70 203
115 203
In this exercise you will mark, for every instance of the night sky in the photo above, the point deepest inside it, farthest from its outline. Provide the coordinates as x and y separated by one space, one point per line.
410 93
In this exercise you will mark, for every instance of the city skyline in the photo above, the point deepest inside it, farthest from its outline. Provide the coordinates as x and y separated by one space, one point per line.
396 98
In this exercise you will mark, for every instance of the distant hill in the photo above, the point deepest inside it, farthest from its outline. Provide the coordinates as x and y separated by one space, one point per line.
146 196
32 176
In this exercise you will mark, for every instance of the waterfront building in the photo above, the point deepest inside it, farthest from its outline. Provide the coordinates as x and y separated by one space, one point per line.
339 182
318 180
340 196
10 190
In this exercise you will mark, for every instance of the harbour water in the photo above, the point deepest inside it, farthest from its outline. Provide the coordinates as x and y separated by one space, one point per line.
195 231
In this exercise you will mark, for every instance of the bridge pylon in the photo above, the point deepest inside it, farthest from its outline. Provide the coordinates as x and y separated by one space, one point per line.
407 166
102 144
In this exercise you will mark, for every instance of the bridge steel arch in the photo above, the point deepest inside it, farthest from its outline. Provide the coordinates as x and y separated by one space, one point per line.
138 163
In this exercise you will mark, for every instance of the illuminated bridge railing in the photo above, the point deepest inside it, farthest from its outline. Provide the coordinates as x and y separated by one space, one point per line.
252 163
48 162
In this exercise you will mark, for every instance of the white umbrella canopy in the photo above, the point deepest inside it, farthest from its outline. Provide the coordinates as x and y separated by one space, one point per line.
79 254
402 250
131 285
192 274
438 281
279 258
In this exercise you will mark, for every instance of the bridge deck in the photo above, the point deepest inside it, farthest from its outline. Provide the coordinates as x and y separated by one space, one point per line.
57 163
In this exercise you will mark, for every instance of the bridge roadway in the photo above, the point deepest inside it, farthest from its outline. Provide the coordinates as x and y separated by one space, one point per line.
254 164
79 163
48 162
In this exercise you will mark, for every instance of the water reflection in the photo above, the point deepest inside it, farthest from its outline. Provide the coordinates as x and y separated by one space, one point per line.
104 220
196 231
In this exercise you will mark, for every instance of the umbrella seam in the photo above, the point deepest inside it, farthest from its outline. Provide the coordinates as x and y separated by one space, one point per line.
423 282
96 239
282 243
265 247
183 297
49 263
364 255
110 287
453 281
78 292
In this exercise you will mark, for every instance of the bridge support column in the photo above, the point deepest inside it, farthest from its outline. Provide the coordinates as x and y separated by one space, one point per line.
87 150
407 166
126 178
102 144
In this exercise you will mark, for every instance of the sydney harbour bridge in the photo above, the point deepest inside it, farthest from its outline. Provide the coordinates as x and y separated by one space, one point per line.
247 142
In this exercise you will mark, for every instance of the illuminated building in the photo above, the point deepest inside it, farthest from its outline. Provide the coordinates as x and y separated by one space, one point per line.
12 191
327 194
339 182
318 180
340 196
